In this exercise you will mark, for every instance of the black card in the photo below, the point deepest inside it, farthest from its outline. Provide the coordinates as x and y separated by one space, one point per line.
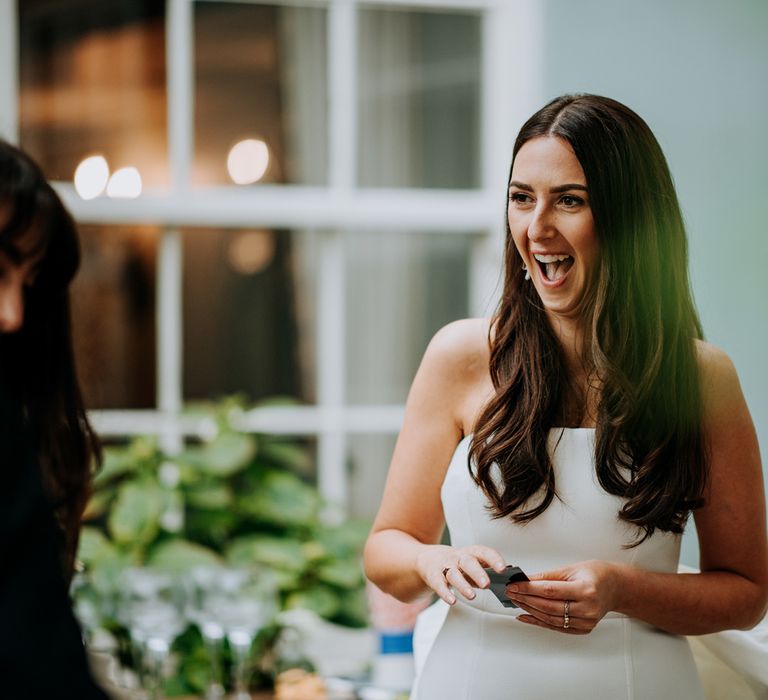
499 582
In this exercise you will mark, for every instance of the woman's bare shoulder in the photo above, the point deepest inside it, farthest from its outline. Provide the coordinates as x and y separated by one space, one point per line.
456 363
462 343
720 387
710 356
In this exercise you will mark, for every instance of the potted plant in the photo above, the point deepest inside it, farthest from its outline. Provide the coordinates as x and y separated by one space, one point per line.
235 499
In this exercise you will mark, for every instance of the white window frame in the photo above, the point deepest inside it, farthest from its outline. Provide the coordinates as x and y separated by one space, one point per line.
512 75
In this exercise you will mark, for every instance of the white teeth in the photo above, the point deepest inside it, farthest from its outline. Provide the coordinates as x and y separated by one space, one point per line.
550 258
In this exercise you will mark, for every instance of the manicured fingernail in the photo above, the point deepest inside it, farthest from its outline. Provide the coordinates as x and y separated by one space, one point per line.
512 589
471 595
451 600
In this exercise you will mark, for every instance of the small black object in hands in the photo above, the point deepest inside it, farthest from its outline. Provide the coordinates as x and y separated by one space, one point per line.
499 582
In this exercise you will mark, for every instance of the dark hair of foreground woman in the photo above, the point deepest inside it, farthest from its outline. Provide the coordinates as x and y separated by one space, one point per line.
48 448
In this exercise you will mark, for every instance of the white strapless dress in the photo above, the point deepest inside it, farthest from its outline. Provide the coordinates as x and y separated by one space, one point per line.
482 653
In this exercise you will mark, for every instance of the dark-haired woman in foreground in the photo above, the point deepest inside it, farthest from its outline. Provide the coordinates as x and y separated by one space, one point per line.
571 435
47 447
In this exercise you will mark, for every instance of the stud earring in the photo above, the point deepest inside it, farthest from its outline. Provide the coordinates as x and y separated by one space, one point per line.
527 272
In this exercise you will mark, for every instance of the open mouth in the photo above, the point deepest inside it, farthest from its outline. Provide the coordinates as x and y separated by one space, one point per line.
554 267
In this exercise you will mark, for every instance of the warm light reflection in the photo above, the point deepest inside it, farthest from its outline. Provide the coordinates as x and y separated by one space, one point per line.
91 177
251 252
247 161
125 184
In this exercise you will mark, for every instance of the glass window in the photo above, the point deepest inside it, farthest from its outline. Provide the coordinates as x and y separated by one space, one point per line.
369 456
419 99
261 79
92 81
401 288
245 307
113 316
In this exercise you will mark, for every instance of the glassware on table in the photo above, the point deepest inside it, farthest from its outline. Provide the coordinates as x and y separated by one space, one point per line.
203 593
236 603
150 604
92 603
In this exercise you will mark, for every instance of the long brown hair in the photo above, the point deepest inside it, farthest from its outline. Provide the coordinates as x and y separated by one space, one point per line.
640 326
39 358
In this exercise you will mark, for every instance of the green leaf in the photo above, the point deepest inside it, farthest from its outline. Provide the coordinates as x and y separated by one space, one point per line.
93 546
287 581
346 539
143 448
99 503
118 461
211 527
314 551
269 551
210 496
106 570
190 473
135 516
320 599
342 573
354 609
286 454
228 454
280 400
283 499
181 555
176 686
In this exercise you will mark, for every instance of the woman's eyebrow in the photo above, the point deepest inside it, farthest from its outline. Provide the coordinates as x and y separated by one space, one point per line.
553 190
569 186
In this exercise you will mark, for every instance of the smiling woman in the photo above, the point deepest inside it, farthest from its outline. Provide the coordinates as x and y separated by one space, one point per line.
572 434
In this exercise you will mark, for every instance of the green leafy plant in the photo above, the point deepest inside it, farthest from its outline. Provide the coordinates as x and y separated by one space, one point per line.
237 499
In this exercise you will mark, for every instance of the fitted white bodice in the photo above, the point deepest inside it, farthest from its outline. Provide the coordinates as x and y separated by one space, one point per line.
581 524
481 653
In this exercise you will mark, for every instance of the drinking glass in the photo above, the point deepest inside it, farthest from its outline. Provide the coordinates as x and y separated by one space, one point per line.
245 601
150 606
202 596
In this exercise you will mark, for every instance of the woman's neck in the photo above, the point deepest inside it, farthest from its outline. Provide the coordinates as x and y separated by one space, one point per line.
570 333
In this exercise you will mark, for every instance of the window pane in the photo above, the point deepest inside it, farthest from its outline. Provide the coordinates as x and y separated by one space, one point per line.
245 315
401 288
419 99
369 457
93 81
113 316
260 75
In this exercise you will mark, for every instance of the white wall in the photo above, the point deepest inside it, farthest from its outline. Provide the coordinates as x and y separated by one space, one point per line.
696 70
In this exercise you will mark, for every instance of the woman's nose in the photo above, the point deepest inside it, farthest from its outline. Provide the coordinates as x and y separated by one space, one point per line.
541 225
11 306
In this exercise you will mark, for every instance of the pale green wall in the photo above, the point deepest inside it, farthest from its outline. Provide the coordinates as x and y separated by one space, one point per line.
697 71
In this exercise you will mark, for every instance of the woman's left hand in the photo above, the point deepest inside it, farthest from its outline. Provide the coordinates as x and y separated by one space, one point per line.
572 599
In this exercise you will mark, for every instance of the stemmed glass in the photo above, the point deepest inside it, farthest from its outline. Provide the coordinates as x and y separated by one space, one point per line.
241 602
203 599
91 604
150 603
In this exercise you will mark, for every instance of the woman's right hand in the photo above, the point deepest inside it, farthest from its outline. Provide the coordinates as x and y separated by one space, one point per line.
442 567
